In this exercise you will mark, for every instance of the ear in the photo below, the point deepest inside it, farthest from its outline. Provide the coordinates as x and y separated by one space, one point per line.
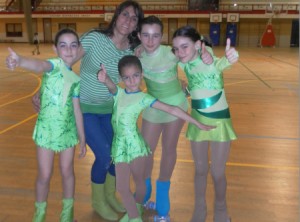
139 35
54 48
197 44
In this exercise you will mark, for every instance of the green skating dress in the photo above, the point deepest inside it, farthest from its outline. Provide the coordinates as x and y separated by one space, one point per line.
160 75
128 143
208 101
55 128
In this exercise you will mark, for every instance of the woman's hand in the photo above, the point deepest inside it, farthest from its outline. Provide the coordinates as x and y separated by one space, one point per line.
36 102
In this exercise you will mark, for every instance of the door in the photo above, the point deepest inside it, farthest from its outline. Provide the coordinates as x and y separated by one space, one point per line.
173 25
295 33
47 30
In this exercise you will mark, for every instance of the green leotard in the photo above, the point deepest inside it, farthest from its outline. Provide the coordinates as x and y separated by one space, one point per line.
55 127
209 105
160 75
128 143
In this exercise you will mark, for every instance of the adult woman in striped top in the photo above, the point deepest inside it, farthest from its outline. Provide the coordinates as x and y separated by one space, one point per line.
105 47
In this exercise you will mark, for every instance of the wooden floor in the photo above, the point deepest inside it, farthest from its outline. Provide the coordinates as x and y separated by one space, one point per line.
263 168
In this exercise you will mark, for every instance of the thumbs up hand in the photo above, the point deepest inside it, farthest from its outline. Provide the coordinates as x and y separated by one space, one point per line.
102 74
231 54
205 55
12 61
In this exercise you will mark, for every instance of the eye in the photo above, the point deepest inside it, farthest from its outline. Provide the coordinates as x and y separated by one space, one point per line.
134 19
125 78
74 45
136 75
125 14
62 45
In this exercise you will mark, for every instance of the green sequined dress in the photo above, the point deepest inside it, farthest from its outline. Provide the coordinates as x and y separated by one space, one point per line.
208 100
55 127
128 143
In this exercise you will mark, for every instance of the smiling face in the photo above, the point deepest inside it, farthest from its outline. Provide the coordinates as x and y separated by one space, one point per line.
185 49
132 77
67 48
150 36
127 21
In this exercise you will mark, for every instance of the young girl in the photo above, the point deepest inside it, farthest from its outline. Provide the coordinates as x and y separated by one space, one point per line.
209 105
129 150
160 75
59 122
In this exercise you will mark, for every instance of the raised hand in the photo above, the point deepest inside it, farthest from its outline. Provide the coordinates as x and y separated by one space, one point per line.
205 55
231 54
102 74
12 61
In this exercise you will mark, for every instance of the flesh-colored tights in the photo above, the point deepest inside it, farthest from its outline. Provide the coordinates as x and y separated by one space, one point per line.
219 152
123 172
170 133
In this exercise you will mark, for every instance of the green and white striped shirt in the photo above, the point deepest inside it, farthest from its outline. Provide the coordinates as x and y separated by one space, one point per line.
99 49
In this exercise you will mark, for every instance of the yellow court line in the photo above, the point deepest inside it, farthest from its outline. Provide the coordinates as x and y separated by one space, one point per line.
246 165
24 97
17 124
240 82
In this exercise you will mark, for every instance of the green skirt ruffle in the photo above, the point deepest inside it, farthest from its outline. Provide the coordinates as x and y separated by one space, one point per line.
223 131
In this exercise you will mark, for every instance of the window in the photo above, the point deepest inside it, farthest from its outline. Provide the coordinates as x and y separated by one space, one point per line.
14 30
67 25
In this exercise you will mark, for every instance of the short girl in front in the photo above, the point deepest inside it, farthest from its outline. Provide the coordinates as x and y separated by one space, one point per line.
209 105
129 150
59 122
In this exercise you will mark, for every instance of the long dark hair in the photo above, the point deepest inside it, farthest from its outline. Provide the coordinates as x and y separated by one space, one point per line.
109 31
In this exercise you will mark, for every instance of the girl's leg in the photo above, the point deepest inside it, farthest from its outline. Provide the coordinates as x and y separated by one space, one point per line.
123 173
137 168
200 156
219 156
45 167
151 133
67 172
170 136
68 181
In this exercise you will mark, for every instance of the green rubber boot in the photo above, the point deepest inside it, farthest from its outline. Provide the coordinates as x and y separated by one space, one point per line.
140 209
138 219
99 203
67 213
40 212
110 194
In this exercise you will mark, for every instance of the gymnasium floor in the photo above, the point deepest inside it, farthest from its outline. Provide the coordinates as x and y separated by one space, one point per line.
263 168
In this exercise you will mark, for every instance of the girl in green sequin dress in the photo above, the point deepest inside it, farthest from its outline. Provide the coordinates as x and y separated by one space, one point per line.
209 105
59 124
129 149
